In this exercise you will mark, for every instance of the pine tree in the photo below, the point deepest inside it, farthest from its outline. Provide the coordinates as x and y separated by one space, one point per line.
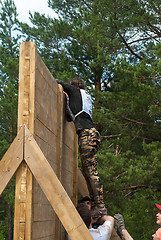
9 57
92 34
115 46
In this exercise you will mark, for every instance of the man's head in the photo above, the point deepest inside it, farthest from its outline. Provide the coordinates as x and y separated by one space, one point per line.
158 214
77 83
86 200
85 214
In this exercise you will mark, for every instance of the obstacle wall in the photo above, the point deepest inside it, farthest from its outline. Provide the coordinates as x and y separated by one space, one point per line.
44 158
40 108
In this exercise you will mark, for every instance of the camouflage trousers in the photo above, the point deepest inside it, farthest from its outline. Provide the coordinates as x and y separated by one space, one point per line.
89 143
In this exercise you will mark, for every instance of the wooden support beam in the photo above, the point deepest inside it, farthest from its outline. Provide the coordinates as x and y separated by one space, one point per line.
53 190
11 161
59 147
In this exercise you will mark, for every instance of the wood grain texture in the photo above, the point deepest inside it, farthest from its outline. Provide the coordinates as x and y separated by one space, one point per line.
54 191
11 161
41 109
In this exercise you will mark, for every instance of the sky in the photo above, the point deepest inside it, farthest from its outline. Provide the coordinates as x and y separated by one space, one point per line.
24 6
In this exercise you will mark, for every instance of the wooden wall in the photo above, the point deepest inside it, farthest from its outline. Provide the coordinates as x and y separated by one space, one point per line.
40 107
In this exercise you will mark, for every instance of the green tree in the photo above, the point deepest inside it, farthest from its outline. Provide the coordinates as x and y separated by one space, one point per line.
9 56
92 34
115 47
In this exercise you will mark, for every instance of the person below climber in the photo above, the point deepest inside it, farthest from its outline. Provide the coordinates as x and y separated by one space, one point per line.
86 200
106 223
88 137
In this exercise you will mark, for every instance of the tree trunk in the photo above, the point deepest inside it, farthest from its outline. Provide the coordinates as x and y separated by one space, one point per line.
10 222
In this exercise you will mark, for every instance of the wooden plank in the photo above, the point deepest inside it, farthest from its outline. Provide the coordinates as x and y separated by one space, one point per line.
11 161
59 149
68 159
51 186
26 109
48 229
82 186
45 132
43 212
75 167
20 202
44 71
26 85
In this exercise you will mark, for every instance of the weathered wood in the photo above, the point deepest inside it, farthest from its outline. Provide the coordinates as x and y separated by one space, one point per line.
40 108
59 149
82 186
54 191
26 109
75 168
55 149
11 161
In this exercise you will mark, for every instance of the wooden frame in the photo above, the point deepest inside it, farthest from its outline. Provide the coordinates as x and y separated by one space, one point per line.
29 153
44 158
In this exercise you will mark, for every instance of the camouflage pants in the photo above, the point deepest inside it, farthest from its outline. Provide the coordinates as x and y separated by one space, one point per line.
89 143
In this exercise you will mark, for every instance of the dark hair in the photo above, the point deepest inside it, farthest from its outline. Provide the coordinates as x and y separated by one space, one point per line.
85 213
84 199
78 83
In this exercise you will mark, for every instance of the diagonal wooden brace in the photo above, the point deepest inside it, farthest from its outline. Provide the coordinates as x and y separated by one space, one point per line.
11 160
54 190
24 147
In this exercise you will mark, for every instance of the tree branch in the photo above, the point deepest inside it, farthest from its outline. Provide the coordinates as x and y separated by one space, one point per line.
130 188
128 47
155 29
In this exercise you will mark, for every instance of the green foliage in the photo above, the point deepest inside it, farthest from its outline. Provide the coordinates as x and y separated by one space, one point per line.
2 232
9 58
115 47
132 186
130 113
92 35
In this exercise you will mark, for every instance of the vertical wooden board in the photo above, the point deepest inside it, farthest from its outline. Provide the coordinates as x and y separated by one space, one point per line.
45 132
58 171
75 168
67 180
43 229
38 196
51 154
46 98
69 134
82 186
44 71
68 160
26 85
45 213
23 197
23 193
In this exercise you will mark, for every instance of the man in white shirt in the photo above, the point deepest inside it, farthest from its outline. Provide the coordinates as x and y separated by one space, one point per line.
104 231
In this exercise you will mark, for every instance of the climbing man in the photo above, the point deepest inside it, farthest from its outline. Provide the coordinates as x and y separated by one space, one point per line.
80 103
